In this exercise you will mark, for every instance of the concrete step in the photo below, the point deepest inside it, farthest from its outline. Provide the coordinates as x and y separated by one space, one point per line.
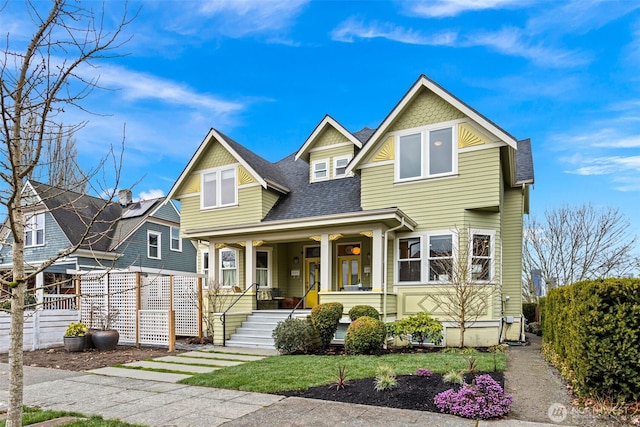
190 369
248 344
220 356
190 361
140 374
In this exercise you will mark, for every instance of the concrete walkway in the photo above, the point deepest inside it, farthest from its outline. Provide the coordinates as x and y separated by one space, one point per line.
165 404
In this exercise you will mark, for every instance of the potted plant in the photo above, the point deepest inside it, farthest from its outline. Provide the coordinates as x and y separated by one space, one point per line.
105 337
74 337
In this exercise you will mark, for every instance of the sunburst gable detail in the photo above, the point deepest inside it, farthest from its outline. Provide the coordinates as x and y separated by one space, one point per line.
386 151
244 177
468 136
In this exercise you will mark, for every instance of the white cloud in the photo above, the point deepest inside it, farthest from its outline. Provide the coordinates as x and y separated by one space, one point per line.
353 28
151 194
447 8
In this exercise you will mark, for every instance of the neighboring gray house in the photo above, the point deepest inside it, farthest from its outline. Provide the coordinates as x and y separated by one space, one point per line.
137 236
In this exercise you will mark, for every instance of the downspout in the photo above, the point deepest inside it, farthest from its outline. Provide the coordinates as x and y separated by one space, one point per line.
384 270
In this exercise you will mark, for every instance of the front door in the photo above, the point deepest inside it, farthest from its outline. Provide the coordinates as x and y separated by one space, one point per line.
349 273
312 280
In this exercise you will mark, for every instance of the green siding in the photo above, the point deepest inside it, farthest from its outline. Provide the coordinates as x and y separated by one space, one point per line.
425 109
437 203
215 156
249 210
269 198
512 248
330 154
329 136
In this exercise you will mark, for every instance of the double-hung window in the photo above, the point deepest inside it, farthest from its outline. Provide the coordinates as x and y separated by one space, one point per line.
440 259
340 166
410 259
153 244
219 188
320 170
34 230
176 241
482 255
425 154
263 270
228 267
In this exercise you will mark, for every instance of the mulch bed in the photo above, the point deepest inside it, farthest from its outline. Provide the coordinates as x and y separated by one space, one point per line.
412 391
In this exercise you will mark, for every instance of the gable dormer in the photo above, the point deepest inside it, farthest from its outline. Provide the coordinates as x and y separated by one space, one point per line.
328 150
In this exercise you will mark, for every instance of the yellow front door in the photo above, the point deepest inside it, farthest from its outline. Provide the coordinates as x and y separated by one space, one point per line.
349 273
312 282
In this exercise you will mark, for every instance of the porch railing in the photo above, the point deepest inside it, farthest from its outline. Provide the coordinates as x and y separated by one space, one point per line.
59 302
304 298
223 316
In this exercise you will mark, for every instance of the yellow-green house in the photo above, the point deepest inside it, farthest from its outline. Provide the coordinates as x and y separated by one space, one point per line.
387 217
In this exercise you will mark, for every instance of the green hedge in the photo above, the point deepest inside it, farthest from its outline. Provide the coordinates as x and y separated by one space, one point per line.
529 311
325 319
593 329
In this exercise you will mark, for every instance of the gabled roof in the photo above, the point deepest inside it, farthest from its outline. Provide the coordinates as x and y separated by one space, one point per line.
524 163
424 82
74 211
133 217
262 170
326 122
310 199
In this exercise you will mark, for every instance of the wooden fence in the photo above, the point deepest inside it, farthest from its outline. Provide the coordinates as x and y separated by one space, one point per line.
42 328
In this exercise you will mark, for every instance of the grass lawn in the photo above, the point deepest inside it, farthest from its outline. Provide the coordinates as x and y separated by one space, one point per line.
280 373
34 415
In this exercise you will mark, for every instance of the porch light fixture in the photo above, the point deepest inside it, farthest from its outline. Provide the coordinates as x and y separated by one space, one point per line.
296 260
355 251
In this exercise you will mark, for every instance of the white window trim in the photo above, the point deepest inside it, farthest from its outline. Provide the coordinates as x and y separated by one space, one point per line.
179 249
335 167
34 232
313 170
454 253
421 259
218 172
204 255
221 269
424 150
269 265
492 252
155 233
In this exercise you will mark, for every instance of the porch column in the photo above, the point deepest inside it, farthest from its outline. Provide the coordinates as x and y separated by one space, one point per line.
213 264
325 263
250 271
377 260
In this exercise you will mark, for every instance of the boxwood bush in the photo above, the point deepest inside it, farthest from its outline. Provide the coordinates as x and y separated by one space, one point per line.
421 326
363 310
365 335
529 311
592 328
325 319
292 336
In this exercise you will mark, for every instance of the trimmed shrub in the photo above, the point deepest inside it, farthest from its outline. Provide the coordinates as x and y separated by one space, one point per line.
292 336
363 310
422 327
483 399
592 329
325 319
535 328
365 335
529 311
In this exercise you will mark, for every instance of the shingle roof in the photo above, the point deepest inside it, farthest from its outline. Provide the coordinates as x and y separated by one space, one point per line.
267 170
524 162
74 211
364 134
132 217
309 199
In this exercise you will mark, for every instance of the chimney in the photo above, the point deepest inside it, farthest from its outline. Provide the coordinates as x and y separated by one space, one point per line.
124 197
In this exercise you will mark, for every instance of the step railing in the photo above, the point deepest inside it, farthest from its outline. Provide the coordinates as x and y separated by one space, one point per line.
304 298
223 316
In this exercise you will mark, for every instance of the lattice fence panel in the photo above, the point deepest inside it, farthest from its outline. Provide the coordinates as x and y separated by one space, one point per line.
154 294
122 297
153 327
93 291
185 304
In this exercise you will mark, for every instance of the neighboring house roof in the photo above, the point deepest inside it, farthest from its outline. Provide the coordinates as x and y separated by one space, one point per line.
524 162
364 134
424 82
132 218
309 199
74 211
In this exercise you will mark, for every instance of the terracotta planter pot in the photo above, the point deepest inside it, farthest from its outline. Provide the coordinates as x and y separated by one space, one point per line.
105 339
74 344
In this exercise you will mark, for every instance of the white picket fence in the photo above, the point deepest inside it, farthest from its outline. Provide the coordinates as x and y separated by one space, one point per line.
42 328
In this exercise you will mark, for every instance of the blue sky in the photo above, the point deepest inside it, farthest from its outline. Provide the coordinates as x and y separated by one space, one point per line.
565 74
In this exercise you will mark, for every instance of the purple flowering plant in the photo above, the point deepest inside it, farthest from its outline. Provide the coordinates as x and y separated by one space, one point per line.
483 399
424 372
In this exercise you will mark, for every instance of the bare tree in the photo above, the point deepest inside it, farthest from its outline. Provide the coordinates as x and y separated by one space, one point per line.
465 267
37 84
578 243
